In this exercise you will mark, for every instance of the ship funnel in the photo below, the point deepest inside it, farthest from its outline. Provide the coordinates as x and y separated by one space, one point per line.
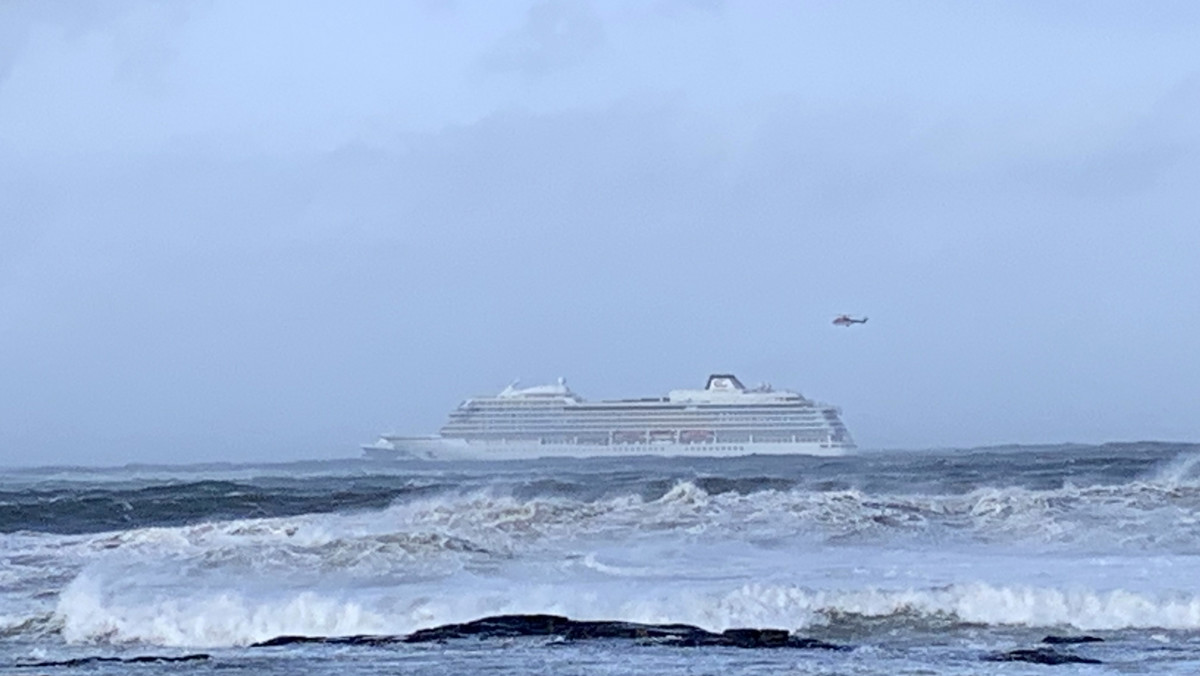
724 382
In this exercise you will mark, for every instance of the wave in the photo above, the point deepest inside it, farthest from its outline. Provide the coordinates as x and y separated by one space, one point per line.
448 531
32 626
1178 471
86 614
972 604
1150 515
907 481
75 508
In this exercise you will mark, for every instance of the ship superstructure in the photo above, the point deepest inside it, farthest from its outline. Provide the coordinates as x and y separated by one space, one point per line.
723 419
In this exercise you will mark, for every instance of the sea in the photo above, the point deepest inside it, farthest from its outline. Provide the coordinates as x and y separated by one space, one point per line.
909 562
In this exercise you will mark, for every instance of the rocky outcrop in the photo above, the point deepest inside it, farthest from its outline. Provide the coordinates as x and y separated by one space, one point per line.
1068 640
1040 656
358 639
510 626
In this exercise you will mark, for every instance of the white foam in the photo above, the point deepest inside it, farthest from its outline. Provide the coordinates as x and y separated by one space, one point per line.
226 618
973 603
215 619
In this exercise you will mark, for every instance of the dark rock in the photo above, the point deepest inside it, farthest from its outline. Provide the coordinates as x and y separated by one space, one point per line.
500 626
505 626
510 626
140 659
1066 640
756 638
1041 656
360 639
287 640
660 633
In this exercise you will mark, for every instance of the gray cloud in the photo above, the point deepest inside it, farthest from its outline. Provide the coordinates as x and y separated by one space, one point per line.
18 18
143 33
556 34
1160 145
672 7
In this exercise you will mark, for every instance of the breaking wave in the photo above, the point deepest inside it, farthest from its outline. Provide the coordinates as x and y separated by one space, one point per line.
1161 516
1143 514
974 603
86 614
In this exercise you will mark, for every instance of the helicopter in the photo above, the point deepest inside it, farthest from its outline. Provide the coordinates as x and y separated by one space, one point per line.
847 320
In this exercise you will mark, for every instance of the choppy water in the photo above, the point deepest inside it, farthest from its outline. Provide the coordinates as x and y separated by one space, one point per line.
924 562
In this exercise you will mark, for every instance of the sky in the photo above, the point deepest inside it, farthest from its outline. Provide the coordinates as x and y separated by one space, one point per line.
272 230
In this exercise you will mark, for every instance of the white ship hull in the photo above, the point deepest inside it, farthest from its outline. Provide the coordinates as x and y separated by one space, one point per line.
550 421
438 448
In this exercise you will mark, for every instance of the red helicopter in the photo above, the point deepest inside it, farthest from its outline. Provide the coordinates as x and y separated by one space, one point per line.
847 320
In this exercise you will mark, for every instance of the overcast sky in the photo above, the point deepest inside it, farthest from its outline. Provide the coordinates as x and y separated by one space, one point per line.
271 230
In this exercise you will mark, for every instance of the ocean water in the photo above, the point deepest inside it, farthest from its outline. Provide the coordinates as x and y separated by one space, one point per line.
920 562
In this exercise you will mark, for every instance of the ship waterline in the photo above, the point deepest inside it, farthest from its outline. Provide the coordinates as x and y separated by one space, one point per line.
723 419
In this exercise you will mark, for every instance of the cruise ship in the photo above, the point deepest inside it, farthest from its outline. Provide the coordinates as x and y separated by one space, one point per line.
723 419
